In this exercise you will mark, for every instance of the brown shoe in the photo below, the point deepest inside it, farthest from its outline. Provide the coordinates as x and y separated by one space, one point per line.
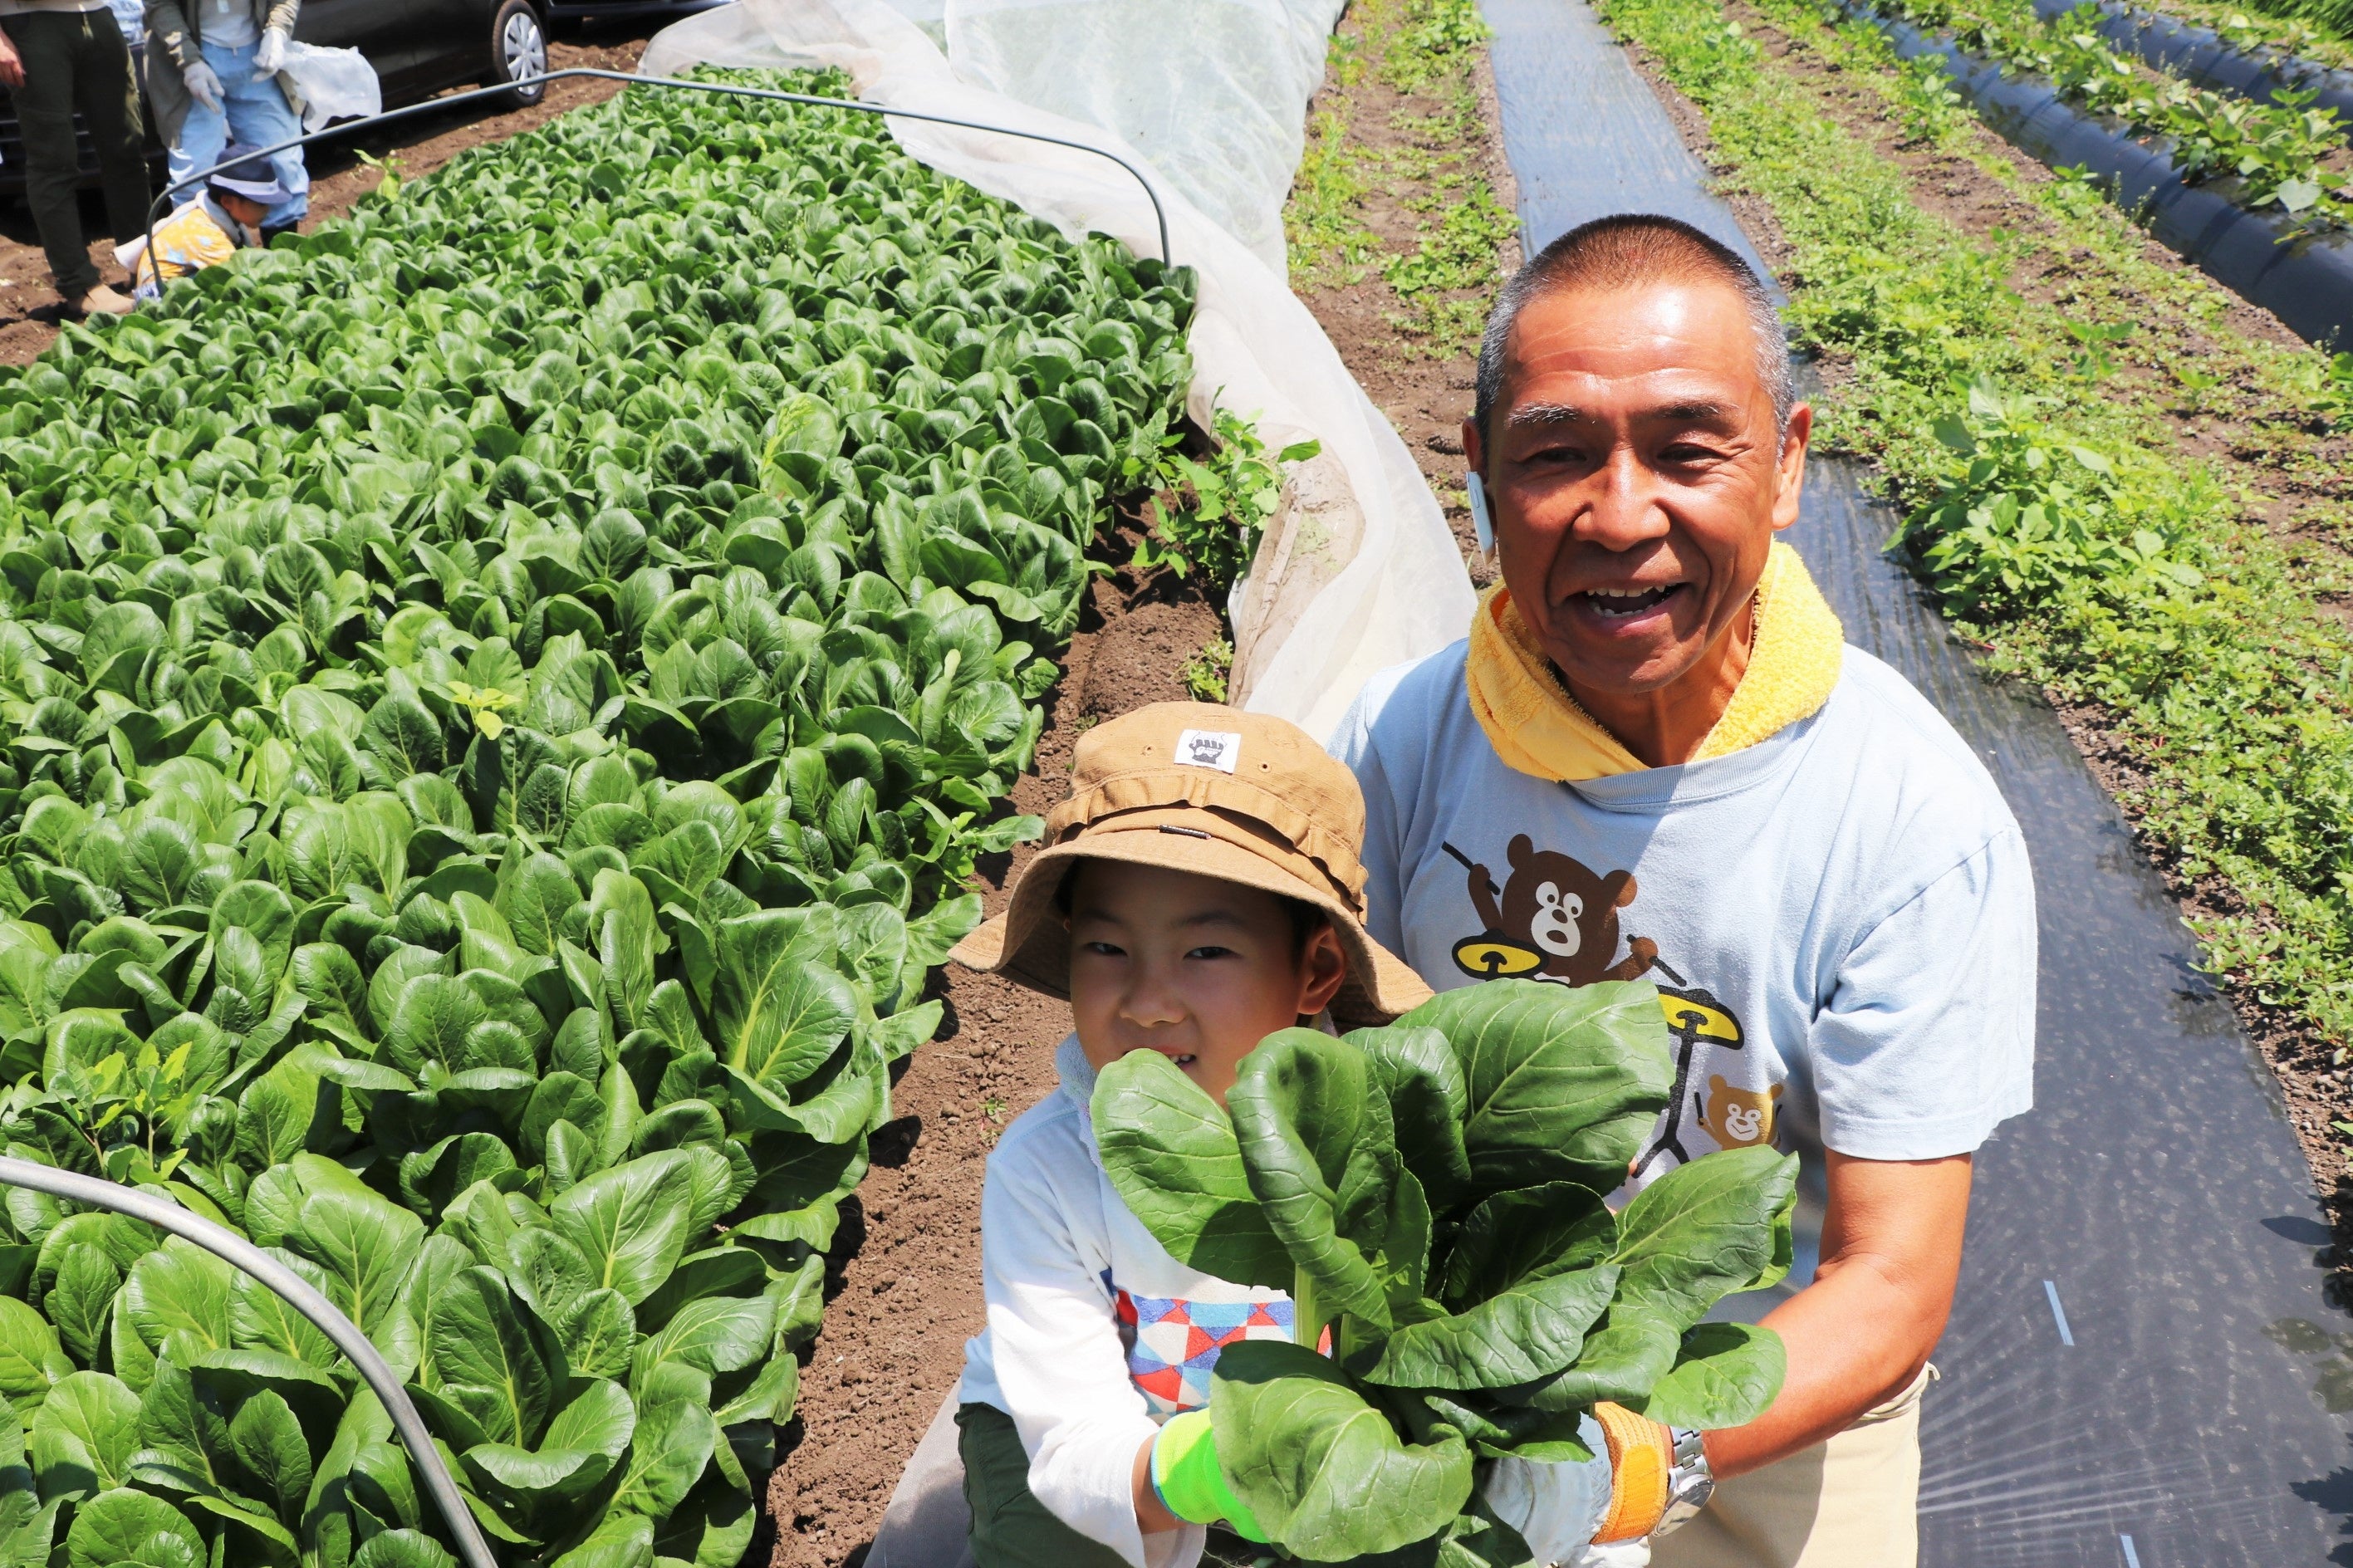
100 300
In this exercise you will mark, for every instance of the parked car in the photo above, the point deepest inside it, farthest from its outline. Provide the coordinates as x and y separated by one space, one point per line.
418 48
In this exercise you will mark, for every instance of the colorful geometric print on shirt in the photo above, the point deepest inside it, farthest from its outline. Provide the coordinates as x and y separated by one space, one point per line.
1173 1344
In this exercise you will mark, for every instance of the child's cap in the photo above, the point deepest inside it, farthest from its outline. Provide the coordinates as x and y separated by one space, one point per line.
1193 786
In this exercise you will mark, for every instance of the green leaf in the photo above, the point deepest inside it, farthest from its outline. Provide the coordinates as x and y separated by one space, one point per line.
1562 1084
269 1442
124 1529
403 1549
178 1288
1726 1374
489 1361
1324 1470
621 915
632 1222
85 1436
673 1442
779 1015
365 1244
1316 1142
1172 1155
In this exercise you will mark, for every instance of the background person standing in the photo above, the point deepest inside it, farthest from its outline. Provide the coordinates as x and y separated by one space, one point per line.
212 75
57 56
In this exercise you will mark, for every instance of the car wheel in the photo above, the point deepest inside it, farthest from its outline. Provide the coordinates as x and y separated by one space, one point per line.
519 50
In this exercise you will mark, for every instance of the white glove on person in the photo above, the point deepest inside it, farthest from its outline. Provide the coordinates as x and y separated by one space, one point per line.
202 84
270 54
1557 1507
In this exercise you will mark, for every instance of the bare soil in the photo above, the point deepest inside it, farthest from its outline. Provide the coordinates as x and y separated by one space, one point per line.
1425 390
2265 445
30 309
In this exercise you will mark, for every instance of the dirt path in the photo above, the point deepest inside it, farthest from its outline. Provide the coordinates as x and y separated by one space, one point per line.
29 306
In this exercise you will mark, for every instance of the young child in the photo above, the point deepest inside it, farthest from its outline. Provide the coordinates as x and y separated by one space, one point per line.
210 227
1199 891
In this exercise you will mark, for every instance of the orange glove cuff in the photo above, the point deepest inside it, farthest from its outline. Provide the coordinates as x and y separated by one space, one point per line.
1642 1453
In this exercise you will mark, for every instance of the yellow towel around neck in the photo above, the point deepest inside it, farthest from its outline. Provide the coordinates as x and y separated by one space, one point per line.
1795 645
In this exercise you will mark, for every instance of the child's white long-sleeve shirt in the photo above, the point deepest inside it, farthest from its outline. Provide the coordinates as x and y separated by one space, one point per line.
1095 1333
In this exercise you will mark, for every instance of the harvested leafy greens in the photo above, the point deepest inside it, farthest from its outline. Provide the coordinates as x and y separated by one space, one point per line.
1432 1192
500 701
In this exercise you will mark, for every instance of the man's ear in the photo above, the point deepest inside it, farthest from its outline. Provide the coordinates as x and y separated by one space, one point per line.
1474 448
1790 477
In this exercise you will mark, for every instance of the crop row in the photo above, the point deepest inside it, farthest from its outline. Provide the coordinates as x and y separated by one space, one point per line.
501 700
2280 149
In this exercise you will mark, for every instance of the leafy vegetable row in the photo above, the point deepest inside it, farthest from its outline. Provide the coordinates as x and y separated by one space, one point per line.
500 699
2288 152
1432 1192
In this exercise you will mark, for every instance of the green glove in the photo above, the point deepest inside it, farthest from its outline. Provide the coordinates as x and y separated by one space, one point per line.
1184 1473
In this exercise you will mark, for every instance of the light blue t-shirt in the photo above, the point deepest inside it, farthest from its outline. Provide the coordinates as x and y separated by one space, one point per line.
1840 917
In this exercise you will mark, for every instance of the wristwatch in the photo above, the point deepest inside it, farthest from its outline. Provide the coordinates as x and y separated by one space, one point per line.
1690 1482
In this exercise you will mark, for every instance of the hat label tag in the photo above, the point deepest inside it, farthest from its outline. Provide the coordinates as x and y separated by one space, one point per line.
1218 748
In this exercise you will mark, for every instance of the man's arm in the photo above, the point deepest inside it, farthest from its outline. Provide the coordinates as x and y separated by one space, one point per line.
12 64
167 24
1860 1332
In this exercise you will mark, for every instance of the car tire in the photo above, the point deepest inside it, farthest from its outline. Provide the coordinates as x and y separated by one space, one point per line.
519 51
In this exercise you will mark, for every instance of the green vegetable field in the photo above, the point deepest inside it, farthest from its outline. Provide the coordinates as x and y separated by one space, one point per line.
501 700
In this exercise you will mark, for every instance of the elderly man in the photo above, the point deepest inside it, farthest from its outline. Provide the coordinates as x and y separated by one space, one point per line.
1655 757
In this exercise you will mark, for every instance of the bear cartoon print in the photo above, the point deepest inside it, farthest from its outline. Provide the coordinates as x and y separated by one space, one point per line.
1557 921
1738 1118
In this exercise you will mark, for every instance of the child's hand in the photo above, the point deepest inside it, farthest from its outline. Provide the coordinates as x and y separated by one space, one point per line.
1187 1482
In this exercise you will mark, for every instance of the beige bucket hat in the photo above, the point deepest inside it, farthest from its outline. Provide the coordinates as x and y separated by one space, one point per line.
1194 786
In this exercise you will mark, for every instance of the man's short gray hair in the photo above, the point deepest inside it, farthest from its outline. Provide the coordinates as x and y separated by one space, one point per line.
1631 250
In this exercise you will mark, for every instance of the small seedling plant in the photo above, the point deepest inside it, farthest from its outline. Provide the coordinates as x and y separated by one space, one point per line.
1432 1195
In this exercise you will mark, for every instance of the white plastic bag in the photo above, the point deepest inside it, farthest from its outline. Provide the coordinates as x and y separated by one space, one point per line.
1358 571
334 84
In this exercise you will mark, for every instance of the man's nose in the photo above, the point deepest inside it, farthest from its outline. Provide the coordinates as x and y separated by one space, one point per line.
1622 503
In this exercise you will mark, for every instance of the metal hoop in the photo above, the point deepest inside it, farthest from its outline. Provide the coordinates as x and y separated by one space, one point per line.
433 105
345 1336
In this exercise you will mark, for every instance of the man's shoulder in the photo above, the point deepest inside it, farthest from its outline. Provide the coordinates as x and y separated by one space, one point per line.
1894 739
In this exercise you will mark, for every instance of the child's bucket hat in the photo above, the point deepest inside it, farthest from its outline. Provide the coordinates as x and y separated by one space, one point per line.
1193 786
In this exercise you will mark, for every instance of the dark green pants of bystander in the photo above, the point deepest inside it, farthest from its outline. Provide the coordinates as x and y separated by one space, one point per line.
76 60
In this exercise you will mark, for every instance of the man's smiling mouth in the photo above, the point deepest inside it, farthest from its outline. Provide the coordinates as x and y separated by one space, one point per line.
1625 604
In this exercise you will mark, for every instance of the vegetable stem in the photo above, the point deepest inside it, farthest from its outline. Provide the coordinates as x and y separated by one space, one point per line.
1307 1306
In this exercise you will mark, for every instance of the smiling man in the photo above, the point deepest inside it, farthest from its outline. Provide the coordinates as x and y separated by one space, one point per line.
1655 757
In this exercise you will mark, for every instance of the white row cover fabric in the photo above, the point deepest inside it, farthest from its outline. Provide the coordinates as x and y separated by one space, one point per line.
1358 570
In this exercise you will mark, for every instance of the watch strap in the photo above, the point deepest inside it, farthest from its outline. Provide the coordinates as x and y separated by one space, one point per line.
1691 1482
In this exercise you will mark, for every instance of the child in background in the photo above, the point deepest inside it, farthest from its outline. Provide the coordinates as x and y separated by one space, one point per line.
1199 891
224 218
